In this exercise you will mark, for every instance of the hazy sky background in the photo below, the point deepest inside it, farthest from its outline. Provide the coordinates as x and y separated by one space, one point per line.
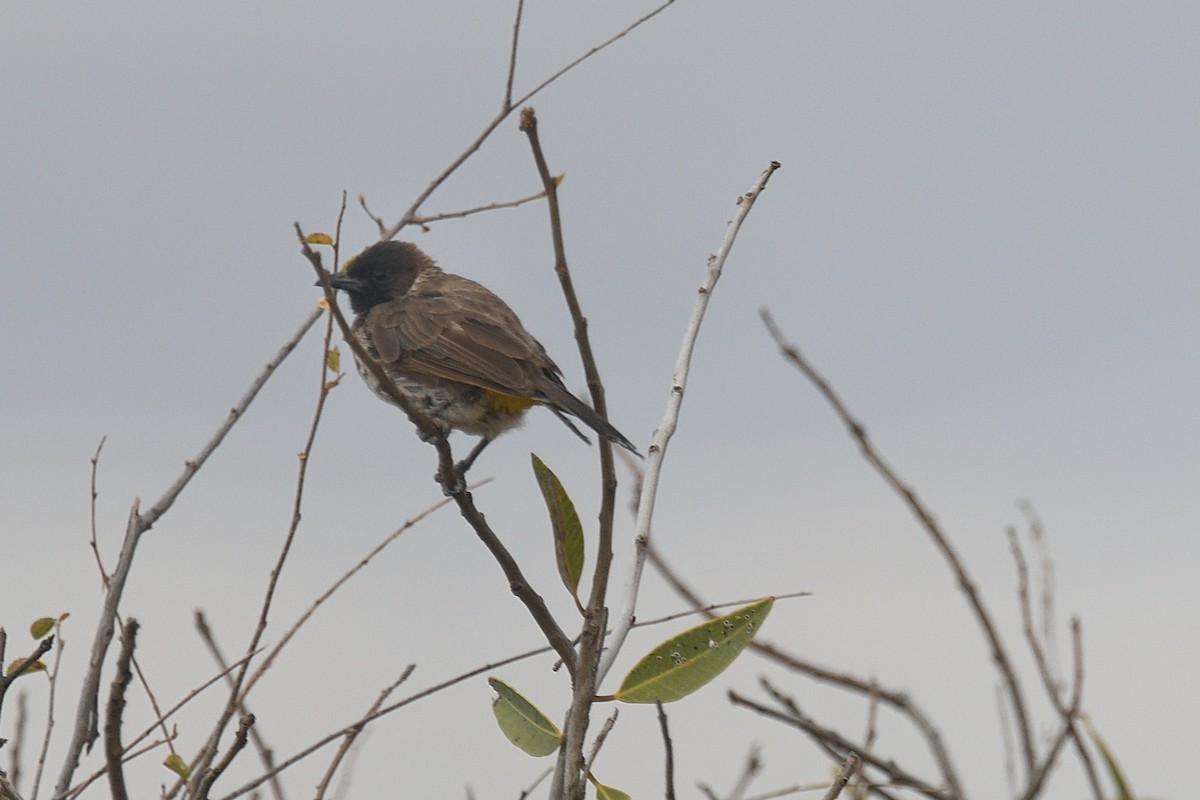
984 233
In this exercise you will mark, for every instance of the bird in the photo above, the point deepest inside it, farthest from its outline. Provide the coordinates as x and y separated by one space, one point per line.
453 348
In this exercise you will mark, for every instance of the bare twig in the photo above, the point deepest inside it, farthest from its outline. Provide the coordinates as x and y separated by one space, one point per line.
601 736
512 56
237 694
382 712
8 676
835 742
59 645
7 790
668 753
1068 710
115 709
898 701
239 743
507 108
264 751
591 640
130 753
92 508
352 734
966 584
18 738
750 771
324 596
662 436
849 767
85 729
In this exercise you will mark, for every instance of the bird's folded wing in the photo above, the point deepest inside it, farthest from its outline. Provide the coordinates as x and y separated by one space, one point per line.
462 338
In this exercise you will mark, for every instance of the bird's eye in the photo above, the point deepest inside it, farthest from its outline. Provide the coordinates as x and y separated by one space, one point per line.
379 277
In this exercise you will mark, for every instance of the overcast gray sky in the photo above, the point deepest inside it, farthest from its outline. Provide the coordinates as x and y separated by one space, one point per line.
984 233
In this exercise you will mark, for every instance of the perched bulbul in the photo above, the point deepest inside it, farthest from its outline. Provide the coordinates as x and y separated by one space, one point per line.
453 348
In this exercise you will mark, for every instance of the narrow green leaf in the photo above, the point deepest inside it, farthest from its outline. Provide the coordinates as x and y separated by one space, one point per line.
607 792
684 663
41 627
1114 769
522 722
177 765
333 360
319 238
564 522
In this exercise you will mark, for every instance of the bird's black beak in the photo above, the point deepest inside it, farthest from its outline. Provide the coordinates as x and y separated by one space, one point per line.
340 280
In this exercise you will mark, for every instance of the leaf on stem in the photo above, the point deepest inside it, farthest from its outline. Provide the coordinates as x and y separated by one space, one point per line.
684 663
564 522
522 722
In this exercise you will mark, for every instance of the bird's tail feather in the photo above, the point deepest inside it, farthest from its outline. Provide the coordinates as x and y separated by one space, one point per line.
562 400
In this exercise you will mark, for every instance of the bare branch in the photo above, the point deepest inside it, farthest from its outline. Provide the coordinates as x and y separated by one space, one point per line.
966 584
7 677
666 429
898 701
512 57
115 709
260 745
353 733
849 767
668 753
85 729
507 108
239 743
591 640
836 742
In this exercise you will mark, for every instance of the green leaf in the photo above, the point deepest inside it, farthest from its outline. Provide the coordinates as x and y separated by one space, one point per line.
177 765
684 663
607 792
522 722
319 238
564 522
41 627
333 360
36 666
1114 769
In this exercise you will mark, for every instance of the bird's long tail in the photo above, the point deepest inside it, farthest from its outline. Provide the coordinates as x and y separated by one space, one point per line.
558 400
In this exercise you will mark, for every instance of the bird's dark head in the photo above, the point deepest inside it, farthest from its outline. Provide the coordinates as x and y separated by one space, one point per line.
382 272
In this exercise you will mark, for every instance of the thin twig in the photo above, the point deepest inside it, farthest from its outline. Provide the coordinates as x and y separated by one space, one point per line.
352 735
7 676
837 743
328 593
750 771
898 701
114 711
130 753
966 584
666 428
237 695
85 729
17 742
59 645
849 767
512 56
92 510
7 790
668 753
601 736
239 743
508 107
265 753
591 640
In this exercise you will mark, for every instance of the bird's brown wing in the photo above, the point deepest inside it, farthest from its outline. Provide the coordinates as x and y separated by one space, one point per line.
458 330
